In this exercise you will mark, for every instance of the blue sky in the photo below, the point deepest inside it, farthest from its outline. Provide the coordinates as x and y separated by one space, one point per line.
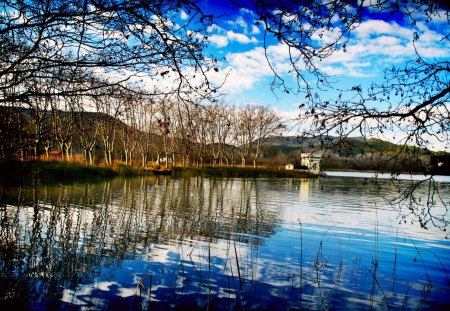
378 43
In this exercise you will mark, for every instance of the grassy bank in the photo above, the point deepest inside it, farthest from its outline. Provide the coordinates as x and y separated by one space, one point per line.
241 172
17 172
13 172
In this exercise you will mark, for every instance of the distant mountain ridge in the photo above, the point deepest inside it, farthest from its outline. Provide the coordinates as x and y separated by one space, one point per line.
298 141
349 146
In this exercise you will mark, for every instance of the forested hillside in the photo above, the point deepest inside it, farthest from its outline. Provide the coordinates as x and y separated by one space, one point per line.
358 153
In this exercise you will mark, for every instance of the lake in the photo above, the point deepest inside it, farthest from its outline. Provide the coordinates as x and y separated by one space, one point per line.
164 243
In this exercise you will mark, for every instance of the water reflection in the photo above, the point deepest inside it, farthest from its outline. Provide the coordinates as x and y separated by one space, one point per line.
215 243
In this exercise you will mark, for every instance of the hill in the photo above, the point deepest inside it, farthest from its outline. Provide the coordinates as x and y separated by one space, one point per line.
359 153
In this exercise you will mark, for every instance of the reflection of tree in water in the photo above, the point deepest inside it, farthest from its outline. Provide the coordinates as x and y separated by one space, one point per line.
42 243
53 238
198 208
424 202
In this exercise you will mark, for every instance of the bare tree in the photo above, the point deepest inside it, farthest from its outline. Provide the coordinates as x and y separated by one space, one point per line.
219 130
39 112
416 93
226 138
301 26
120 40
414 96
169 126
252 126
87 130
267 123
198 133
184 141
146 129
128 129
109 111
13 132
243 131
63 123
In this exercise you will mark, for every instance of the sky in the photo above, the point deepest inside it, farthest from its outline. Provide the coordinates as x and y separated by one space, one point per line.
376 44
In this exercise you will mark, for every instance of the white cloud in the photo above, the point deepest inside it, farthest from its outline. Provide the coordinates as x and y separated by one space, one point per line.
241 22
246 11
248 68
255 30
376 44
215 27
238 23
386 41
218 40
432 52
430 43
240 37
333 71
326 36
358 73
441 17
243 70
183 15
375 28
222 37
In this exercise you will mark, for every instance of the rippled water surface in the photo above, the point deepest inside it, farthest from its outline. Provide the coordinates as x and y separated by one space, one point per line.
225 244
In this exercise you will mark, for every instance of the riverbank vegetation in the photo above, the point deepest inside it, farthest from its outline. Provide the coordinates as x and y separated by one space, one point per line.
19 172
138 133
213 136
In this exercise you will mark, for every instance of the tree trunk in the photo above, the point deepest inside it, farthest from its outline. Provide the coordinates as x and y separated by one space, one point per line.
61 148
144 162
67 147
106 156
90 157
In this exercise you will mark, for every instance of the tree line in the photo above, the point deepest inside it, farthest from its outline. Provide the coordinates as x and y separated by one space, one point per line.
136 130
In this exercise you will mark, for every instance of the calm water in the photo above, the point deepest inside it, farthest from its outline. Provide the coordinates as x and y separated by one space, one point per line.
225 244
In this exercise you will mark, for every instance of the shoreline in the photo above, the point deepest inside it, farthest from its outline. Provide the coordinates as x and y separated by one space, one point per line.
18 172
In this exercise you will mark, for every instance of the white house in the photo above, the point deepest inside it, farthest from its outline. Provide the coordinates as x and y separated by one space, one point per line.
311 161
